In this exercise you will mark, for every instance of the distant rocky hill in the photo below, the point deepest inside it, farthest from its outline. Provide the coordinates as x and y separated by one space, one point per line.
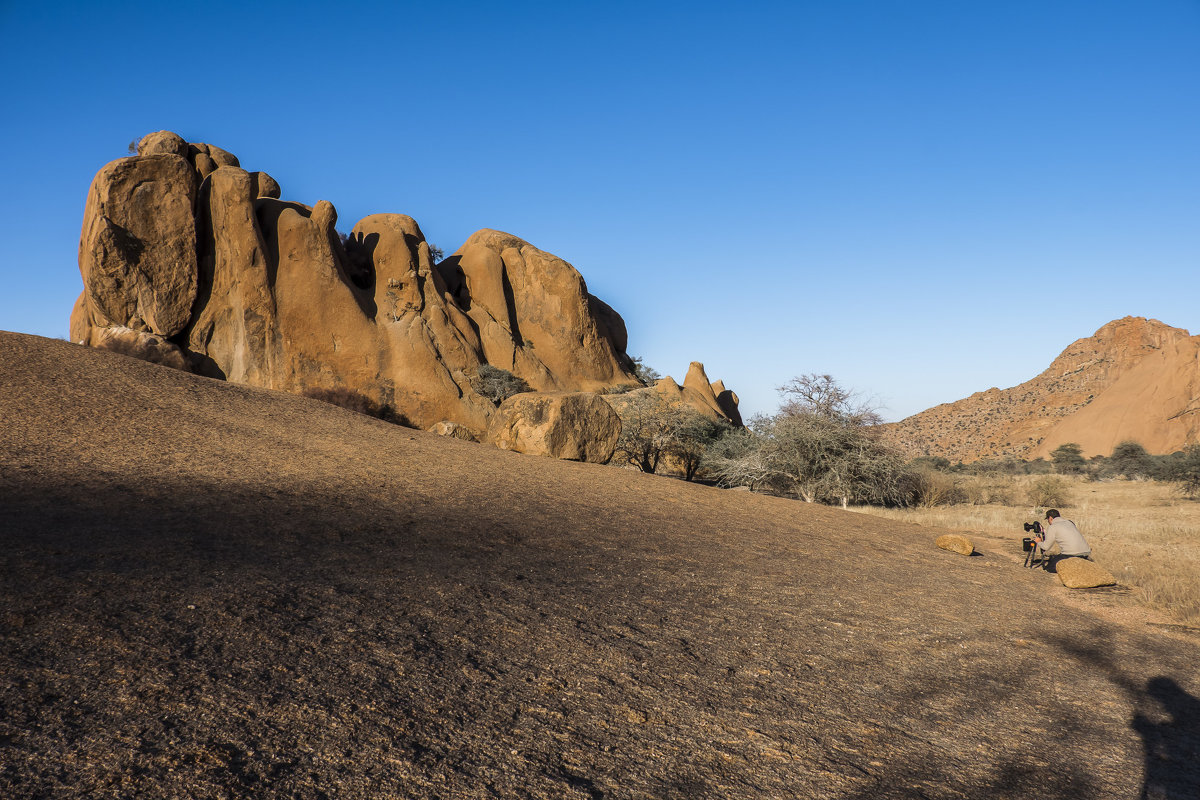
1135 378
191 261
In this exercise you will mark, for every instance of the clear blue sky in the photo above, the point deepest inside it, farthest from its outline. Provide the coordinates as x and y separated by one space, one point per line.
924 199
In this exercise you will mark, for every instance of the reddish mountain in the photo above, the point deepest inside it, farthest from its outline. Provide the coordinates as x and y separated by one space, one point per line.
1134 378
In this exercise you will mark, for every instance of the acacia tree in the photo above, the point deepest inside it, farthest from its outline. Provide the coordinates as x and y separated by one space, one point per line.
739 459
1068 458
1183 468
1130 459
822 396
823 445
691 438
652 428
645 433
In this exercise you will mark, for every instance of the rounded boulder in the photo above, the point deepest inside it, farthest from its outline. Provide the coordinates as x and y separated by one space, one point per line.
1079 573
574 426
956 543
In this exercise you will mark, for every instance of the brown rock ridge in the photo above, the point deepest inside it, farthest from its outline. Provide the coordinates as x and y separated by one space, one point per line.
180 243
711 400
1135 378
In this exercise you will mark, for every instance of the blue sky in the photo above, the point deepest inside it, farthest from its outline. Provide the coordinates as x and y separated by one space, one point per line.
923 199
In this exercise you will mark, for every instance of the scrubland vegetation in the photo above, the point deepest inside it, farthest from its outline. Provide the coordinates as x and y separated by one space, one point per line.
1145 532
1140 512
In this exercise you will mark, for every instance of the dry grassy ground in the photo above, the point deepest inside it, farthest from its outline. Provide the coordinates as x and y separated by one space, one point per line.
1144 532
213 591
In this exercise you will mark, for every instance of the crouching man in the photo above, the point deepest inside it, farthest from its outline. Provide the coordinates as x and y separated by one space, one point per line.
1062 532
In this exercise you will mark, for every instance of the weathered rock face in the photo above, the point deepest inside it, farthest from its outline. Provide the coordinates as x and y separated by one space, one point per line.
710 400
576 426
181 242
525 302
137 252
1133 379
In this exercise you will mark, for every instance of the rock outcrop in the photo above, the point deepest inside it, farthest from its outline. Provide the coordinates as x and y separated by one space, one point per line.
575 426
181 243
1133 379
641 407
710 400
525 303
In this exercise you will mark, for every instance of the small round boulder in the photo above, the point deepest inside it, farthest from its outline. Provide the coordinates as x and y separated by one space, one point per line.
162 143
956 543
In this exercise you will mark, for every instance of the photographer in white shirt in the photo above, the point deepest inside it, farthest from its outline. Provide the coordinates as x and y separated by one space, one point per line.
1062 532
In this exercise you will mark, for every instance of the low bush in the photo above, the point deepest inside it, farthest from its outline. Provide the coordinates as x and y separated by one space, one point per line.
498 384
1049 490
646 374
932 487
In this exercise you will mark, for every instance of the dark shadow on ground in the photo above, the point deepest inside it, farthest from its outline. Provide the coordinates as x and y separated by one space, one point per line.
170 637
1166 717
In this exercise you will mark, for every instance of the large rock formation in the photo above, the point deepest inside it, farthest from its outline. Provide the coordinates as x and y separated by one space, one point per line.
525 303
1133 379
180 242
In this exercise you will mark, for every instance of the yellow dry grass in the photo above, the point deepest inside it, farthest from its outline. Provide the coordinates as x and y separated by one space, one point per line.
1143 532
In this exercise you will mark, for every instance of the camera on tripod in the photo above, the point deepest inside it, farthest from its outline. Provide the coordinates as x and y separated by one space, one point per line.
1028 545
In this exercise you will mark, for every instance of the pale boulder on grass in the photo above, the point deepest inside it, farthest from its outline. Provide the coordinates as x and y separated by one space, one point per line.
1079 573
956 543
